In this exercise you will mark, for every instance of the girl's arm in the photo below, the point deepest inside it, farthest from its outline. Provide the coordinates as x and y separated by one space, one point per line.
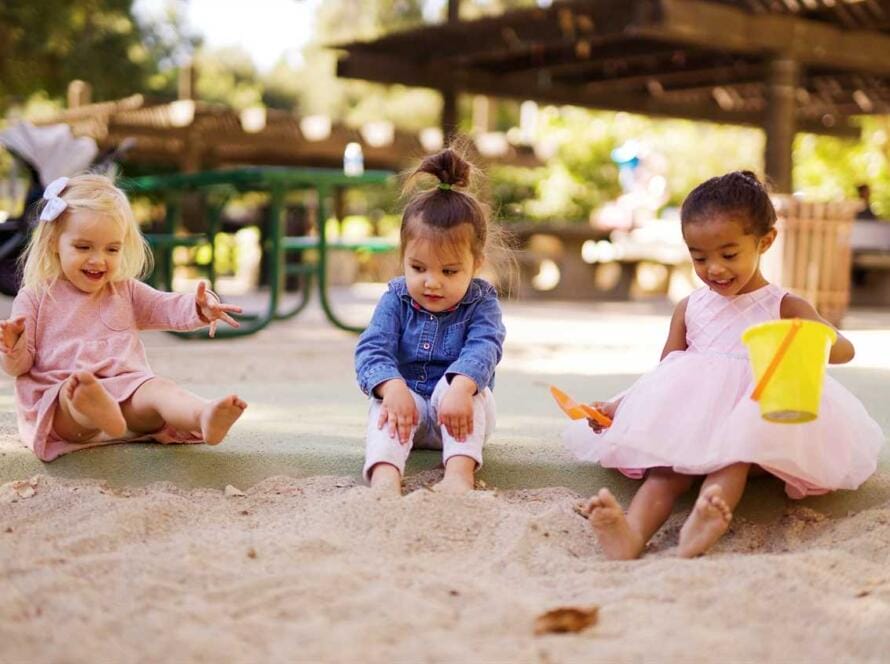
483 344
17 345
676 339
157 310
796 307
376 354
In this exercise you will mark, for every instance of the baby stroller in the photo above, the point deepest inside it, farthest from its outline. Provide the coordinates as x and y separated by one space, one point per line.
46 153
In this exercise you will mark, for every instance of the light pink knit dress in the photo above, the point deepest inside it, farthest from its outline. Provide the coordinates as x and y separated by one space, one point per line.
67 330
693 411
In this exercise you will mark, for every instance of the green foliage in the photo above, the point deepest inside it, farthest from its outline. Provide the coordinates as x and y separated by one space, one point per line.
228 76
829 168
44 45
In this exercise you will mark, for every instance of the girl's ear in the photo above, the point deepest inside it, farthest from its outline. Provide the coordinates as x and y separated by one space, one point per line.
478 263
766 241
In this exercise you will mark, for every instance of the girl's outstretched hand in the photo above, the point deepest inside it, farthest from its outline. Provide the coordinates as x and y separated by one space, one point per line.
10 332
212 310
607 408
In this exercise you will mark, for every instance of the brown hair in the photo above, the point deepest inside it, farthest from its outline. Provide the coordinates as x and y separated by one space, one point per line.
737 194
451 214
444 211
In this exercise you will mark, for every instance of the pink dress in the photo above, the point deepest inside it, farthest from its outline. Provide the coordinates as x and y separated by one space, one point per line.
67 330
693 411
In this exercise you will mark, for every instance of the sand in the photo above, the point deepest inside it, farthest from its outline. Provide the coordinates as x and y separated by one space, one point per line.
308 565
324 570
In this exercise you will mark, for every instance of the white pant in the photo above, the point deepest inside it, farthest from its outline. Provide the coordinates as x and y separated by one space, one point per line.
428 434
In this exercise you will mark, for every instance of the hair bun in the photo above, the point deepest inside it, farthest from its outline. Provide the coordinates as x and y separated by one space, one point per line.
748 175
448 166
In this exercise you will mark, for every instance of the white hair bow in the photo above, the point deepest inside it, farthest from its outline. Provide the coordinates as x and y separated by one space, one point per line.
54 205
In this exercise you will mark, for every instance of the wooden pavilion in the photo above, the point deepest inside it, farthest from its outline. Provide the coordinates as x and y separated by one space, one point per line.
782 65
188 135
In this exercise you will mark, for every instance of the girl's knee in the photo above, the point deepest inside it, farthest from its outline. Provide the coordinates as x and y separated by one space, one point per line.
160 383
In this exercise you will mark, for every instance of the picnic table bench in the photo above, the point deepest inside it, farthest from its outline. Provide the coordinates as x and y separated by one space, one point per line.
581 272
219 187
870 246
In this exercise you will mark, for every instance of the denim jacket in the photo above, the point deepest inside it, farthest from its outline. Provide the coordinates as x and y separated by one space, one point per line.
406 341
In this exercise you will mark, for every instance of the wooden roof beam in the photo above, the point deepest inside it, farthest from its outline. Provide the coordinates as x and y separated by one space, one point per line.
391 70
682 79
706 24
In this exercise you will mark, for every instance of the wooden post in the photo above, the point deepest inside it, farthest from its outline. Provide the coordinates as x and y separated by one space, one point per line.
79 93
453 11
186 81
449 114
780 122
449 94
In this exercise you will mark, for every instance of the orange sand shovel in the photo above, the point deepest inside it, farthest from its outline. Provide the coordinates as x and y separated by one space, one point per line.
578 411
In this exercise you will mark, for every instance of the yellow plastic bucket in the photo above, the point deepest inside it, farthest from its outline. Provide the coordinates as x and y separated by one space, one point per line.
788 358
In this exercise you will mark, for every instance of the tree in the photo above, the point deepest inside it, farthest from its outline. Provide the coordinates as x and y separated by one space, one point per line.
45 45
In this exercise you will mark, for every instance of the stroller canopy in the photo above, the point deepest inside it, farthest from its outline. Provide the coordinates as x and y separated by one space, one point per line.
52 151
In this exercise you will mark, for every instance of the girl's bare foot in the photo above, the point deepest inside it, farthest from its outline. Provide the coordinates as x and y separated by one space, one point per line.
386 479
460 476
615 536
219 416
91 406
455 484
708 521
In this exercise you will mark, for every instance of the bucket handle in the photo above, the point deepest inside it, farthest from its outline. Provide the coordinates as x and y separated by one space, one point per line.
777 358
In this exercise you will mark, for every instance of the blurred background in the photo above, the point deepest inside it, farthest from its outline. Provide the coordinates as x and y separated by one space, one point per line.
167 87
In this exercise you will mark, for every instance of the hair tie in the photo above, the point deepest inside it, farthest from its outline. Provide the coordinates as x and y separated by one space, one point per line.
54 205
444 186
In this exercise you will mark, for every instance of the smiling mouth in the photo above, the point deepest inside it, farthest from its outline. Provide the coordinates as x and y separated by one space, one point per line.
433 297
93 275
722 283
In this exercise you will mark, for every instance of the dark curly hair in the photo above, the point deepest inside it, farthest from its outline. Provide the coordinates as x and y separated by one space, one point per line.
739 195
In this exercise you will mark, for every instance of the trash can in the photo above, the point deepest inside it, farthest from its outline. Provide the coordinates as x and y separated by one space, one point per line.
811 255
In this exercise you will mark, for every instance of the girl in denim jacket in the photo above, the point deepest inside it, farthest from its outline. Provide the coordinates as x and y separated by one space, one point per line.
427 359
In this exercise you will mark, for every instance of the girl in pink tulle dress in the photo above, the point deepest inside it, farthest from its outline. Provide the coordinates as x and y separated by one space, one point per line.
692 416
72 342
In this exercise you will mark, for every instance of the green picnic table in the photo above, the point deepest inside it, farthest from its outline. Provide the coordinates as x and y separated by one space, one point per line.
218 187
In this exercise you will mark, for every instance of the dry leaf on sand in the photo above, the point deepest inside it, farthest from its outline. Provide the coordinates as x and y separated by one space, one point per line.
233 492
566 619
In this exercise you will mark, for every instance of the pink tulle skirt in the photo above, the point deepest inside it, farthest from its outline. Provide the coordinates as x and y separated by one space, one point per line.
693 413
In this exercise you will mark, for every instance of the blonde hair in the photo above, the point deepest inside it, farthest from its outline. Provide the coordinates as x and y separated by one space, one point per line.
93 193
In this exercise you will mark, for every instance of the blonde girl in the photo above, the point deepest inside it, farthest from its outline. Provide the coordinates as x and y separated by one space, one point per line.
72 341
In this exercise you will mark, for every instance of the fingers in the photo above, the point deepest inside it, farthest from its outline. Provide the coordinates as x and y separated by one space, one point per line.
201 294
397 425
213 328
404 425
216 311
457 427
228 319
18 324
